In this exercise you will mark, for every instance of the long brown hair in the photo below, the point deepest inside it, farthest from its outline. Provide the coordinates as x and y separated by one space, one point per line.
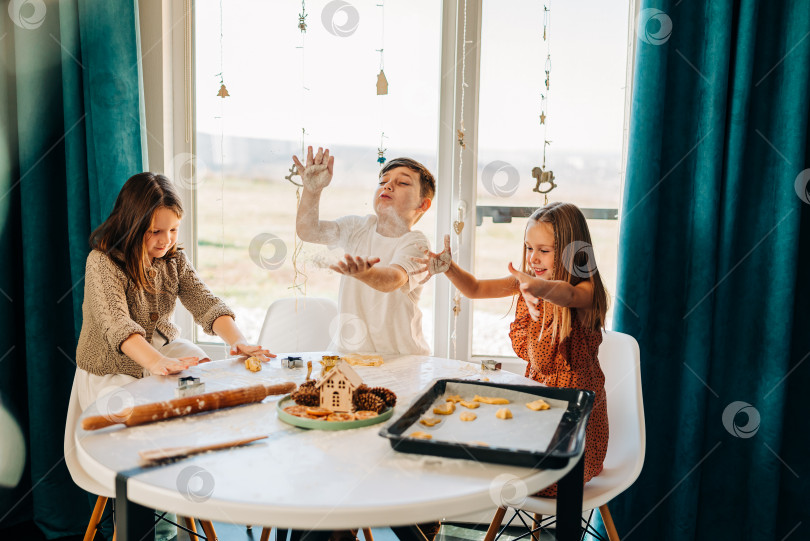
574 262
122 235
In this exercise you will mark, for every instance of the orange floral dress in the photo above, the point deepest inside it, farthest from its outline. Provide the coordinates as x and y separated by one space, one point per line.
572 363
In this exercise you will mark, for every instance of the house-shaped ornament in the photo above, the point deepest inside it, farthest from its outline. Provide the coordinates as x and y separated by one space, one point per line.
382 84
337 387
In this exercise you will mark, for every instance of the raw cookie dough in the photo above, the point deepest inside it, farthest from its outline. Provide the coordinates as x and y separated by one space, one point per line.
490 400
503 413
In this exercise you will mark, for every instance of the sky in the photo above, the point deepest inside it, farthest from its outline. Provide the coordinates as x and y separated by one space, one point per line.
329 86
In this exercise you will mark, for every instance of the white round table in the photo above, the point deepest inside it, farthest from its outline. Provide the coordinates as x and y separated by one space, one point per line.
297 478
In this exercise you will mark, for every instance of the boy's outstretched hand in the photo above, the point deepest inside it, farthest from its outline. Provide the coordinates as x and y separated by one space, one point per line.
355 266
533 302
434 263
317 174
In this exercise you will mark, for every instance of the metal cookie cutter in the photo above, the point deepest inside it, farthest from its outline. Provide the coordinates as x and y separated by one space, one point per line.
292 362
490 364
188 386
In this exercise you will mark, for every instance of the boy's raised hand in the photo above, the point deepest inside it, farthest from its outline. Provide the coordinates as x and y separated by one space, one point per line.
317 174
434 263
354 266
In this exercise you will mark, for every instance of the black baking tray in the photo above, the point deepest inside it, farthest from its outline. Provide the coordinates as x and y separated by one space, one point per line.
567 442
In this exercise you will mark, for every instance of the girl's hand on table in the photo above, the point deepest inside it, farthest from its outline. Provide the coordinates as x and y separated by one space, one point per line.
246 350
434 263
168 365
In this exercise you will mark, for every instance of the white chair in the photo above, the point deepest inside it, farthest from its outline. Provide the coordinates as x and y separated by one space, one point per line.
620 361
87 483
298 324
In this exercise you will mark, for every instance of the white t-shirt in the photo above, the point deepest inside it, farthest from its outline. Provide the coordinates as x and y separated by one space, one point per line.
370 320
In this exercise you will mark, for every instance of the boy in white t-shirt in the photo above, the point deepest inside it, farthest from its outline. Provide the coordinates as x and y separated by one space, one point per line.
379 295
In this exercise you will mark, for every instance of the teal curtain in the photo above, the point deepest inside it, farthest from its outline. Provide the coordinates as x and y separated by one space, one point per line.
713 269
70 137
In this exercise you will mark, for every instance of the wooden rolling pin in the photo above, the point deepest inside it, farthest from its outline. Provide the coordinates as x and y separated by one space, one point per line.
177 407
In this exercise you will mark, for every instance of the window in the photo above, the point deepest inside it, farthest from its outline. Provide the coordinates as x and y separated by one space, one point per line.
280 81
584 121
245 208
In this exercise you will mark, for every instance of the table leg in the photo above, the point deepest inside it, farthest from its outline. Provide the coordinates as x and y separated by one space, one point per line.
133 522
569 502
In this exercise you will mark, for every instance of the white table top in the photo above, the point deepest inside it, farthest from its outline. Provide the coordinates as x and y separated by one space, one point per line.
297 478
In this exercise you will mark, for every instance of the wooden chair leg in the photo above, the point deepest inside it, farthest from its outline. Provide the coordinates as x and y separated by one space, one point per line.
607 520
191 524
495 525
367 534
208 530
265 534
95 517
537 519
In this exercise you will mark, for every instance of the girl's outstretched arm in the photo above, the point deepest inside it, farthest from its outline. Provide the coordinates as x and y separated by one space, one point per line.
554 291
469 286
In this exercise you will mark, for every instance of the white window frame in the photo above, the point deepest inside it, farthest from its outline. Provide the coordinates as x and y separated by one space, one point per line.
167 45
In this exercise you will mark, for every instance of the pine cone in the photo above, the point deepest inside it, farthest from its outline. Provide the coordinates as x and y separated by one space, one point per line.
308 383
306 396
368 401
387 395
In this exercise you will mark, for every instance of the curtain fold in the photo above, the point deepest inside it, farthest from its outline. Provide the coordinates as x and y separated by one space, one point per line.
71 134
714 252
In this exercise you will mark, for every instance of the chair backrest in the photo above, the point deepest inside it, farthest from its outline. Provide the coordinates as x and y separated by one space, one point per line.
77 472
620 359
300 324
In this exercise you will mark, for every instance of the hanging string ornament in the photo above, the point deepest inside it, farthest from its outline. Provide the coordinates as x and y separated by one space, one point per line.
223 92
458 224
382 84
299 281
545 177
302 18
381 150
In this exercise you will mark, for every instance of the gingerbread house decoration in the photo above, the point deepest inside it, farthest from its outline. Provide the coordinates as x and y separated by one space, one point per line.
337 387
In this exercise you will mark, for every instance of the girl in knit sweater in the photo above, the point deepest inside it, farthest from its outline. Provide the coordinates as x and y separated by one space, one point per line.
134 275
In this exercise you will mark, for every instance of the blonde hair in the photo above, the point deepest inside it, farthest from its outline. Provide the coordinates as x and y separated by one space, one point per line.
574 262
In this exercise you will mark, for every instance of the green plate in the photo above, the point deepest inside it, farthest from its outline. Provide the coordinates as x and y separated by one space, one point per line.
327 425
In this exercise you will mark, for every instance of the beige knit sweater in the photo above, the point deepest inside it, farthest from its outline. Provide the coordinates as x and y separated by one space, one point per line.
113 310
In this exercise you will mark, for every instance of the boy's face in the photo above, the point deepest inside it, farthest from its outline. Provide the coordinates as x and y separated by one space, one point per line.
399 193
